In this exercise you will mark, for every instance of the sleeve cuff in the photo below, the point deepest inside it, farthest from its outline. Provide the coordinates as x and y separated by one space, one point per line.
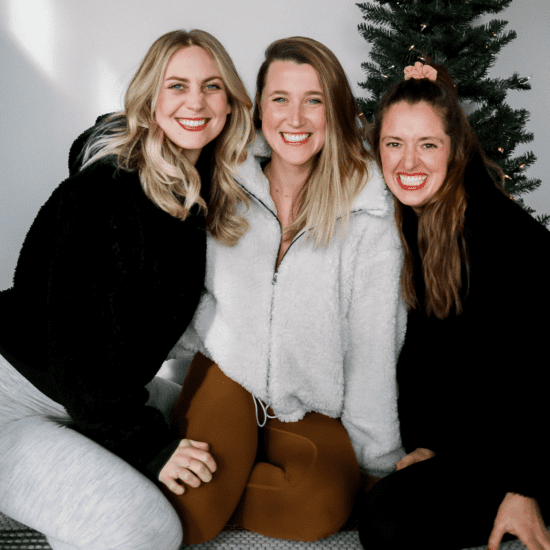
153 469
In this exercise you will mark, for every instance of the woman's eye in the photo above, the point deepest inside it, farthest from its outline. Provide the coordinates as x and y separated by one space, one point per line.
177 87
429 145
279 99
213 87
314 101
392 144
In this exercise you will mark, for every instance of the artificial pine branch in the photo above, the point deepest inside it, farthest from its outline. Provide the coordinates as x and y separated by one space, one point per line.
402 32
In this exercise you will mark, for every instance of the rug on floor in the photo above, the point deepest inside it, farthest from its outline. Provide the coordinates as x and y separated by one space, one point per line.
15 536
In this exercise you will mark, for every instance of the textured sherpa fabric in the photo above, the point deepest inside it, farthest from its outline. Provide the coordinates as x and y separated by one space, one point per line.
324 331
105 284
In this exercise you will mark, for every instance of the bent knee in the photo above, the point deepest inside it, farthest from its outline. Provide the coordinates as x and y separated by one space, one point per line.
169 536
153 525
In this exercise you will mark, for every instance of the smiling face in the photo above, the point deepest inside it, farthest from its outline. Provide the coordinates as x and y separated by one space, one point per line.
293 113
415 151
192 104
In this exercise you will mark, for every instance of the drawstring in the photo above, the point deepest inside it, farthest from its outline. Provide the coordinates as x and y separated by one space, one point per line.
264 409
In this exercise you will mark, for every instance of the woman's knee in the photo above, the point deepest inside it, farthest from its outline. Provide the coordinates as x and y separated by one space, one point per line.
149 524
78 493
166 533
304 490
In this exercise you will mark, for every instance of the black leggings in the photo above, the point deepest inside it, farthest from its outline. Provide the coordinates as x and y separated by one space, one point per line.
432 504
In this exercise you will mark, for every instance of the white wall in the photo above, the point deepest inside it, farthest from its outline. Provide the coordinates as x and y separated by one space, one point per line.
64 62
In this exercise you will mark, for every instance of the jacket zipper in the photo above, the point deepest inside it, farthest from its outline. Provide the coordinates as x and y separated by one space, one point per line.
273 280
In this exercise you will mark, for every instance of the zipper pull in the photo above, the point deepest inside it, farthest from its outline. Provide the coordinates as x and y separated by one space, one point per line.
274 280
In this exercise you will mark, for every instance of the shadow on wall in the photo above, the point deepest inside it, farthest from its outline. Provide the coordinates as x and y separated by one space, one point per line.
34 152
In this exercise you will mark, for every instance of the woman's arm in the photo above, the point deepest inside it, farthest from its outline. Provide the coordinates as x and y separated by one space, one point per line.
376 320
108 328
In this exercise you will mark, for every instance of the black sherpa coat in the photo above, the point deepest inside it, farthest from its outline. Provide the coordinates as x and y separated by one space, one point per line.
105 284
472 387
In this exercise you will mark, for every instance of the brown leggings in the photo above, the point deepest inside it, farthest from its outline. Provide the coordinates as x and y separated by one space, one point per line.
289 480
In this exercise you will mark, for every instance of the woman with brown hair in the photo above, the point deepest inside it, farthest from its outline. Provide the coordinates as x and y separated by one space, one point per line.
470 374
302 318
109 276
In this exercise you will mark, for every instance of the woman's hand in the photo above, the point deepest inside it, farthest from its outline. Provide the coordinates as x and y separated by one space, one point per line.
418 455
520 516
191 463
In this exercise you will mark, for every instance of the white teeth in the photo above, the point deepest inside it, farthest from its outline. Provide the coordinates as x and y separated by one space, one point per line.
189 122
412 181
295 137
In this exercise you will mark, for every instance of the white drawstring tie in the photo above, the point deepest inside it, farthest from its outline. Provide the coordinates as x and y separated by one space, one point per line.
263 406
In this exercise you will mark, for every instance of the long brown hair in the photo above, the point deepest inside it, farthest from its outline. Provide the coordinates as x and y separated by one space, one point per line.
341 169
440 237
167 177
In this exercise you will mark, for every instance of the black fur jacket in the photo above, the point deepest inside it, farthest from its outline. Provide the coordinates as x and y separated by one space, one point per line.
105 284
472 387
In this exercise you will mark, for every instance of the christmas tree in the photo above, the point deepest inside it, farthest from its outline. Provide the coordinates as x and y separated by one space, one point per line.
405 31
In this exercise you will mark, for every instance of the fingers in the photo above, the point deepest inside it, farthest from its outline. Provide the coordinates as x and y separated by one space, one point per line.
536 539
198 454
402 464
520 516
495 538
170 482
199 444
199 470
531 543
189 476
174 475
191 464
406 461
418 455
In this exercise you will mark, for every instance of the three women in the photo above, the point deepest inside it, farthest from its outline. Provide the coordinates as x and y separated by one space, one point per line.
309 219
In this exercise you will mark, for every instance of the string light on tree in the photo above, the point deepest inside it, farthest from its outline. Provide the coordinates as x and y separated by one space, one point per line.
458 45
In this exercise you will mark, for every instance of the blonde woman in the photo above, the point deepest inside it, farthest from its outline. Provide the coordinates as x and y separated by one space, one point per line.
302 318
109 277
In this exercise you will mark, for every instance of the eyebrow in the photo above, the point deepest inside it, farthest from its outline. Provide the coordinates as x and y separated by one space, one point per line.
428 138
283 92
180 79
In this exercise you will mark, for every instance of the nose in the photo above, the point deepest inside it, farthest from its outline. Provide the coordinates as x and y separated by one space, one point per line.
195 99
410 158
296 114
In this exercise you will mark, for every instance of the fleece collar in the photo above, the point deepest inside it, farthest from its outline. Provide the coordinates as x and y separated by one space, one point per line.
373 199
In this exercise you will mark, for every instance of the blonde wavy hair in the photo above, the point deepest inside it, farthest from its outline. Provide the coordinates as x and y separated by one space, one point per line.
167 177
341 169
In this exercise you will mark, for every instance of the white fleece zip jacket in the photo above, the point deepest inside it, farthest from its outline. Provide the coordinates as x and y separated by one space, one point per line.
323 333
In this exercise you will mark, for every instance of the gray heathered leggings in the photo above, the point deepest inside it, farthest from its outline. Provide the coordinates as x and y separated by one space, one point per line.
80 495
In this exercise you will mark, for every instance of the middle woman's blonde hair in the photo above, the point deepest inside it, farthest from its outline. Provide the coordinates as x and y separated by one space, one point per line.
168 178
341 169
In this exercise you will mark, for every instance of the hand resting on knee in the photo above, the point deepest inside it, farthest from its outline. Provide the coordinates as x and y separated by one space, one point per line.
190 464
418 455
